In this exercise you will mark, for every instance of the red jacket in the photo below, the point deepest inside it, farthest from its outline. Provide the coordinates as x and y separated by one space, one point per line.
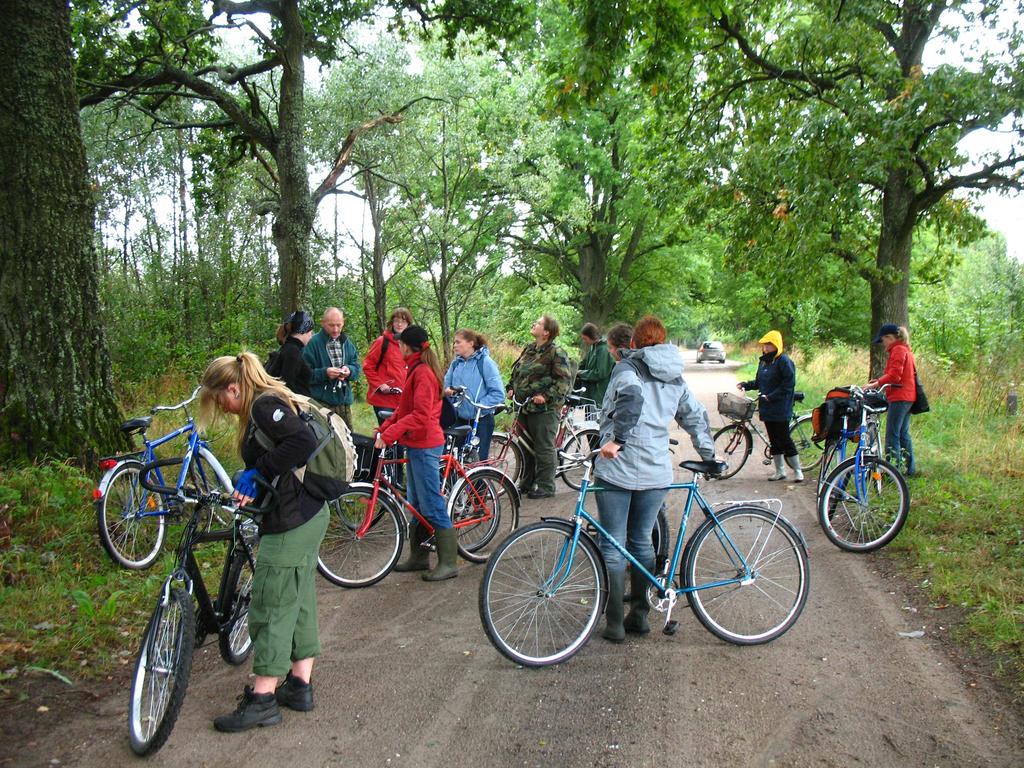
387 368
899 372
417 421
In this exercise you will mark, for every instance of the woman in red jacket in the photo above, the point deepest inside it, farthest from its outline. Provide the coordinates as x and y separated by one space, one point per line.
900 374
384 365
416 424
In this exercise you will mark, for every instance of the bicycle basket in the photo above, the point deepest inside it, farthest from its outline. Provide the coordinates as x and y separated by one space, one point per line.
735 406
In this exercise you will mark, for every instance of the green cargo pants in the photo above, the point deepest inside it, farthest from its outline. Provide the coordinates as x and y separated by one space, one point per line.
282 615
540 467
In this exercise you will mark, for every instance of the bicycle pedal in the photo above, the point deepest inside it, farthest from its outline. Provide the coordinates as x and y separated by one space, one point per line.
671 627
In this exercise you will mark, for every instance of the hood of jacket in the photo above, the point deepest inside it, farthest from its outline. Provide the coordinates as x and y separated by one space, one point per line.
773 337
662 360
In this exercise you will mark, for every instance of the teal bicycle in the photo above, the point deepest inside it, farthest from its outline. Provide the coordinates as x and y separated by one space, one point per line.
744 573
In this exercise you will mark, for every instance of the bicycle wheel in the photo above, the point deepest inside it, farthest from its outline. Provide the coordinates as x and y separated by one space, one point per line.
863 508
660 539
235 642
161 673
506 455
749 574
131 521
802 435
733 444
571 456
484 508
537 609
352 561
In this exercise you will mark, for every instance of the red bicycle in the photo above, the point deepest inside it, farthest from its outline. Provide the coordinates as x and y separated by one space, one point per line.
367 528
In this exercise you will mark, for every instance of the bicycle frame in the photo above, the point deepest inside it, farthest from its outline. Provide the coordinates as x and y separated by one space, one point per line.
382 483
664 582
858 435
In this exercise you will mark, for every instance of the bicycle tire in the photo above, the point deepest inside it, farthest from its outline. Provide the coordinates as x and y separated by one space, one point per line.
765 604
480 529
863 522
506 455
131 540
351 562
809 449
206 474
234 640
577 448
660 538
526 625
161 673
733 443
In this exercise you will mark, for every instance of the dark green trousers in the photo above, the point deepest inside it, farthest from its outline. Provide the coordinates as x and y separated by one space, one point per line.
539 468
282 615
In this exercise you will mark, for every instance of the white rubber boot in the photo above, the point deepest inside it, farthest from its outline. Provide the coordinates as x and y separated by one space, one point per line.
794 462
780 467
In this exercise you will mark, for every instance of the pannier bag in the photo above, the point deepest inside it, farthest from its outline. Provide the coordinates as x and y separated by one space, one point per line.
735 406
827 418
366 457
331 466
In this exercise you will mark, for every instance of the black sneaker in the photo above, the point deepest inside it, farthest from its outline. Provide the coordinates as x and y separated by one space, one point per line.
254 709
295 694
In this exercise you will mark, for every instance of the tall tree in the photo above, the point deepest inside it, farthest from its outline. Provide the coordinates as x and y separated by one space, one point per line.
56 397
830 130
151 55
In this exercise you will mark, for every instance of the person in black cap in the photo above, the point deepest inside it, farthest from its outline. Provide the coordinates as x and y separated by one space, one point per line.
287 363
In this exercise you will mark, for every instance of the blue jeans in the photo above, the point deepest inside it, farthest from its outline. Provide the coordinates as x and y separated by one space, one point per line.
424 491
629 516
898 448
484 430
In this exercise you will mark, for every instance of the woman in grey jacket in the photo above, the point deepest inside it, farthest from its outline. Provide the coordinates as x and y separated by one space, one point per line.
645 392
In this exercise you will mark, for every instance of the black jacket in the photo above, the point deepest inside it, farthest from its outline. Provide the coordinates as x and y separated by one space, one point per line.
776 380
290 366
293 443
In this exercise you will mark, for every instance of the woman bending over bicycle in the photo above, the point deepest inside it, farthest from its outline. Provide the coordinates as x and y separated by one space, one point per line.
282 614
416 425
474 369
645 392
776 381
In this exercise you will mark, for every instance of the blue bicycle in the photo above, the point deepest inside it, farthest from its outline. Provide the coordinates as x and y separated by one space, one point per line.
131 519
744 573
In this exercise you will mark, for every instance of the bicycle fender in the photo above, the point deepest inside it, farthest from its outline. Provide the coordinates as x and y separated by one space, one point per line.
109 474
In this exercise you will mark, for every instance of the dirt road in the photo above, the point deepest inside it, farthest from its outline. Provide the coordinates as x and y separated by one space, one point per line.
408 678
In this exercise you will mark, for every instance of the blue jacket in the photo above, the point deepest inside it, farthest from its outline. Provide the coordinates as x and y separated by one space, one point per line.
330 391
776 381
645 392
480 376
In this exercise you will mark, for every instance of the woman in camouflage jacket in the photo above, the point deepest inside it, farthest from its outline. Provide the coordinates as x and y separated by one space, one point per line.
540 379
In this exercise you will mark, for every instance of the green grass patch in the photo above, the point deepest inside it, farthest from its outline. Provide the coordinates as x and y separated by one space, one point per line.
964 538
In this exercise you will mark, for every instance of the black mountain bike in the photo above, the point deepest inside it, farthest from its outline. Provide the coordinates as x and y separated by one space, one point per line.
185 613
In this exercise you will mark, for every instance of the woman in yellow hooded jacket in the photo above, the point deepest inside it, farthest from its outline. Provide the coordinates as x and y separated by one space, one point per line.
776 381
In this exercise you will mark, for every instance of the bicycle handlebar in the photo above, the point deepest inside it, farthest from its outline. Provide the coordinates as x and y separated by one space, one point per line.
214 496
182 404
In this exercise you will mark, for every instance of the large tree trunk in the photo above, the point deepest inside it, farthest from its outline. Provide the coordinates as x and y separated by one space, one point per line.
56 396
294 220
895 242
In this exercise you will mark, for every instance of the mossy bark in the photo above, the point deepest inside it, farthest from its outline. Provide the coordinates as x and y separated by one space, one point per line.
56 398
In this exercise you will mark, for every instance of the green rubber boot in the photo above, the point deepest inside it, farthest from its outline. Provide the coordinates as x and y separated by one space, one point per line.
613 629
447 552
636 622
419 558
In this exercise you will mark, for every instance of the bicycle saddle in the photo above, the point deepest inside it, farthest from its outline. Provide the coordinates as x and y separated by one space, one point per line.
140 424
459 433
798 397
713 467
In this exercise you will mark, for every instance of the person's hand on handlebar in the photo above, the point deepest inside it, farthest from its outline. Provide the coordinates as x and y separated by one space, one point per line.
245 488
379 443
610 450
740 387
538 399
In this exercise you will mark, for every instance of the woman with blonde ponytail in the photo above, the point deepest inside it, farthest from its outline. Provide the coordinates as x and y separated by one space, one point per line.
282 614
416 424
